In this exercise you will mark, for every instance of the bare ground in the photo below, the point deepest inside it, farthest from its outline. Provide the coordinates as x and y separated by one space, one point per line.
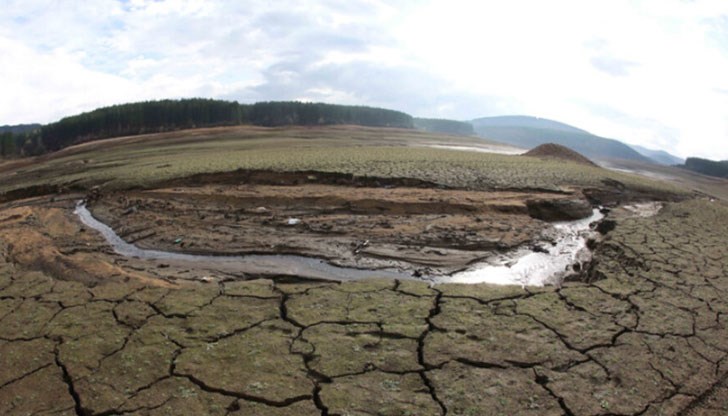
441 230
83 331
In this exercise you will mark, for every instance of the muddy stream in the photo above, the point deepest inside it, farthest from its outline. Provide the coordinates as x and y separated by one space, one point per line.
548 265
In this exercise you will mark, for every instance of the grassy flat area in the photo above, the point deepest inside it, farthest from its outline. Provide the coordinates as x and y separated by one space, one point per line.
142 161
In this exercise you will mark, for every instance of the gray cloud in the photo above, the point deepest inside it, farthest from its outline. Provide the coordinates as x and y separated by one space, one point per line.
603 60
404 88
301 32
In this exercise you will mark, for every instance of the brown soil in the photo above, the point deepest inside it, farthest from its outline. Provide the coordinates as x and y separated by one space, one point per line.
557 151
648 338
407 225
48 238
373 227
85 331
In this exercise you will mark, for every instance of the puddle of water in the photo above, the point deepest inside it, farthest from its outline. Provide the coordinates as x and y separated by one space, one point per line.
644 210
520 267
641 172
529 268
505 150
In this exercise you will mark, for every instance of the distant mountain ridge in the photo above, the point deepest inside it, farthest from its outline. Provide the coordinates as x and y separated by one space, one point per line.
526 121
529 132
659 156
441 125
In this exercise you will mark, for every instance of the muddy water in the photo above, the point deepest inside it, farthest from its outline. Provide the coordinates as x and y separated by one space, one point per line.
528 268
644 210
517 267
269 265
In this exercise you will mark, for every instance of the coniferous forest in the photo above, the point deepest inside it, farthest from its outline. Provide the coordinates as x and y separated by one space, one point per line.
169 115
707 167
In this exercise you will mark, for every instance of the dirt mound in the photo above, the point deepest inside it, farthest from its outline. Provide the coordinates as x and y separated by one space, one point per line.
557 151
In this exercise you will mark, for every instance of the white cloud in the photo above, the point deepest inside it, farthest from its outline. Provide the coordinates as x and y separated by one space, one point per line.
648 72
41 87
648 59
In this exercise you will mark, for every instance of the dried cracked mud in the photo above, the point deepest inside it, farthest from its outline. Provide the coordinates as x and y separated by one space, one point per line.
426 229
648 335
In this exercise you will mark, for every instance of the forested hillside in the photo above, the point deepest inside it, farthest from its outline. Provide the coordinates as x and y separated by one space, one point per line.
283 113
439 125
707 167
12 137
19 128
139 118
9 143
167 115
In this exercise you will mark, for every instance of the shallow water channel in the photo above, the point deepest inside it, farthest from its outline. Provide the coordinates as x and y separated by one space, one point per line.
530 268
517 267
254 264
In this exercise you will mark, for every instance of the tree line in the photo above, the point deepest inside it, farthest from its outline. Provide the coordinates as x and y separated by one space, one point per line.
707 167
168 115
8 144
284 113
13 138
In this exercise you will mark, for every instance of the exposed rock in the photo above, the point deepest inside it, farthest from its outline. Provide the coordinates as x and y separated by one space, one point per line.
559 209
606 226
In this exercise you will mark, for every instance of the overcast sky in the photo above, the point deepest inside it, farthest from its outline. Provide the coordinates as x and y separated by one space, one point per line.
647 72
